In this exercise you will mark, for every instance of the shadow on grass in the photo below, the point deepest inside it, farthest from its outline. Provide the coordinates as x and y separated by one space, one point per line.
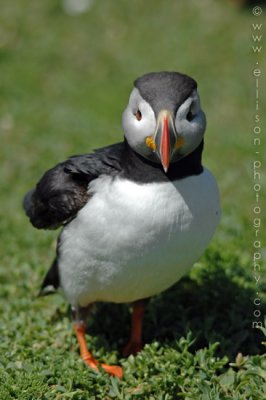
215 305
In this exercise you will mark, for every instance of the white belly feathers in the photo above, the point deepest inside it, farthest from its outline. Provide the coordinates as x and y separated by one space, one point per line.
132 240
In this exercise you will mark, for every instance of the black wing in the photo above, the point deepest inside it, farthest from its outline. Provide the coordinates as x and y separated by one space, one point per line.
63 190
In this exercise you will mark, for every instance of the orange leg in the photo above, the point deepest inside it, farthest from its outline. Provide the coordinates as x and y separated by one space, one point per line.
135 343
88 358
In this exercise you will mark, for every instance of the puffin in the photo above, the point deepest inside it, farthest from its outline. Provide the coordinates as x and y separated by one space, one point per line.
135 215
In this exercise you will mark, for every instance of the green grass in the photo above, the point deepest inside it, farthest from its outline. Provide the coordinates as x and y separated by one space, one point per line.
64 82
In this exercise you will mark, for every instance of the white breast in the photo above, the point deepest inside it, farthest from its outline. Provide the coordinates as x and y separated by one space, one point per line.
132 240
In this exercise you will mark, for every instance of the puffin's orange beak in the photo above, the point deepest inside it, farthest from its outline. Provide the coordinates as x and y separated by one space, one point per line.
165 145
166 139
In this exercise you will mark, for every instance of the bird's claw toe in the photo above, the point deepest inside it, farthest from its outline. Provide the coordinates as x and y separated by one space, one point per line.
114 370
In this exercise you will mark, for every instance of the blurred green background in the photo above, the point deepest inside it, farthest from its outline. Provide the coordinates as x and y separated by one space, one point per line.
66 70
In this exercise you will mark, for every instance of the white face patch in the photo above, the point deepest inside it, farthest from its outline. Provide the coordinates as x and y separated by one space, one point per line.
139 123
138 129
190 122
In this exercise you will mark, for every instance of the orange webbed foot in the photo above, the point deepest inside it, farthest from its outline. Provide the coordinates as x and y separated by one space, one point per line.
87 357
114 370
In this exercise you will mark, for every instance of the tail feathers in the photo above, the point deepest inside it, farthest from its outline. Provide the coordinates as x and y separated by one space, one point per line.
47 290
51 281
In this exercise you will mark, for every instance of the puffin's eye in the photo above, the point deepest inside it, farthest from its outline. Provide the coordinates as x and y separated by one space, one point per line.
190 116
138 115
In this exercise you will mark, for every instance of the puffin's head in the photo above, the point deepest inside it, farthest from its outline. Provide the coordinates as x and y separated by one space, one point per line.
163 121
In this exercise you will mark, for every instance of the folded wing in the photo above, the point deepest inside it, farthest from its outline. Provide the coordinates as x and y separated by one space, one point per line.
63 190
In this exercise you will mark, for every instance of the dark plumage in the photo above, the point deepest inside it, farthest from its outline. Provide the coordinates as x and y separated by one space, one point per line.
51 281
165 89
62 191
